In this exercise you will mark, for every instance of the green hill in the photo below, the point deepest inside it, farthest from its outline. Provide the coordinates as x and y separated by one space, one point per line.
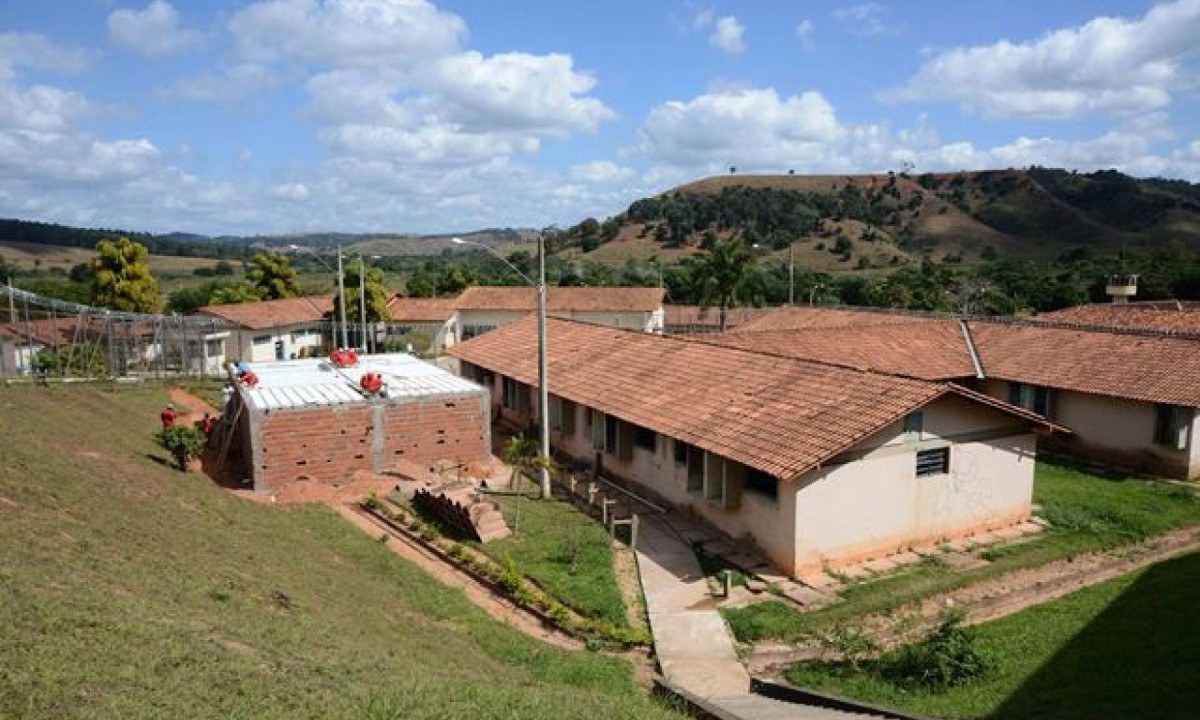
889 220
130 590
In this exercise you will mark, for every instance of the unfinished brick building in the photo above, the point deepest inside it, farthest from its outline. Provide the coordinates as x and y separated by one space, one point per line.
305 420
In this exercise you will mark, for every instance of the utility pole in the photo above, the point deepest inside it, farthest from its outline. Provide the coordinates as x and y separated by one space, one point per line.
342 300
792 273
362 299
543 391
12 306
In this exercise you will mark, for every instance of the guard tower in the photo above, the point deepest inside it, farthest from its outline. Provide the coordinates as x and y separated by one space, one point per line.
1121 287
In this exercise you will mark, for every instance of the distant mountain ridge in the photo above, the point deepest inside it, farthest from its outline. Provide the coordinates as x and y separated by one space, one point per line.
231 246
863 221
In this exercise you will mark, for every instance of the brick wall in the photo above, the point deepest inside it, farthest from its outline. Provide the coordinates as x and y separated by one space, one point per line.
328 444
429 430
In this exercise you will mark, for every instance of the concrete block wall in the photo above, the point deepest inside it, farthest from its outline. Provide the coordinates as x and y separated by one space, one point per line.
329 444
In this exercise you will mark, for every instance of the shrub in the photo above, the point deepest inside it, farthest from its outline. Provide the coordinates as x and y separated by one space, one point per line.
184 442
372 502
848 640
947 657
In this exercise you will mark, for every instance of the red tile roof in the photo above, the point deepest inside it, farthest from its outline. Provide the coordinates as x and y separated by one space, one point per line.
933 350
694 316
779 415
563 299
274 313
406 309
1179 316
1153 367
802 317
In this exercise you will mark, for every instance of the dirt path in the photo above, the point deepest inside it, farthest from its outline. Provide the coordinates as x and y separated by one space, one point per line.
194 406
483 597
994 598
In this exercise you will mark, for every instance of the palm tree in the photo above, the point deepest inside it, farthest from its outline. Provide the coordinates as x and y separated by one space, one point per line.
523 454
723 276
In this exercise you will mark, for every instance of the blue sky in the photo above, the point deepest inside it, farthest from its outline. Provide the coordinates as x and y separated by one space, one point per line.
270 116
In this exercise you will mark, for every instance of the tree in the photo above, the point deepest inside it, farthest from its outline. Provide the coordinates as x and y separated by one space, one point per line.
273 276
724 276
121 278
419 285
377 294
453 280
234 293
524 456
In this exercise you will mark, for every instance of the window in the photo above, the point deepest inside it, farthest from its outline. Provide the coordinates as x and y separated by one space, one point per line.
612 432
562 415
695 469
914 422
470 331
263 340
933 462
645 438
1031 397
1171 426
516 396
214 348
762 484
681 451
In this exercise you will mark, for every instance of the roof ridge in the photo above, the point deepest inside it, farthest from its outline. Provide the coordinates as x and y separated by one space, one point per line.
1056 324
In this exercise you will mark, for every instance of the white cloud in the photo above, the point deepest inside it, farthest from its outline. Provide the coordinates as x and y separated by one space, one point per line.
865 19
703 18
229 85
728 35
749 127
804 31
153 31
757 131
39 108
24 49
600 171
541 93
364 33
1109 65
290 191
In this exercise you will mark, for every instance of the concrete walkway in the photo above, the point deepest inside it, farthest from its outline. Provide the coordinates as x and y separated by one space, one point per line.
694 646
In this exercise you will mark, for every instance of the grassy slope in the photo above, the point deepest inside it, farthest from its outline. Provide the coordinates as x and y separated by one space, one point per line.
565 552
1089 513
130 590
1127 648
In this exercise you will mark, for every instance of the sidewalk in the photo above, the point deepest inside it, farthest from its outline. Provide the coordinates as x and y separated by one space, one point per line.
694 646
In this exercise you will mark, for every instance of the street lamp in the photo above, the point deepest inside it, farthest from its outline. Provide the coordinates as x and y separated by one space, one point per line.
543 393
341 286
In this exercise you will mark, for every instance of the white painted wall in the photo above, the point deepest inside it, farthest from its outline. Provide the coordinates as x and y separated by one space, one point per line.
293 337
1194 439
643 321
875 504
1110 429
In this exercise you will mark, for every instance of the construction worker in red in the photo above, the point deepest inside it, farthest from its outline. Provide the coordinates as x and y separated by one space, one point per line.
168 416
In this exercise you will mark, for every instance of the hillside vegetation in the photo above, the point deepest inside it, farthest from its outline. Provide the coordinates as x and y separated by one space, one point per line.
859 222
130 590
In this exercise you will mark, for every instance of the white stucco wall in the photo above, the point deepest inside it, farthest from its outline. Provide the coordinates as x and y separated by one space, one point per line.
768 522
1114 430
643 321
875 504
293 337
1194 462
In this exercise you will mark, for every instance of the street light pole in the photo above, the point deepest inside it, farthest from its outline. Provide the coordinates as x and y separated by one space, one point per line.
543 391
342 300
792 273
362 299
539 288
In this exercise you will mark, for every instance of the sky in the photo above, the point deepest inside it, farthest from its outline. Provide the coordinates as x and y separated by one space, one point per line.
279 116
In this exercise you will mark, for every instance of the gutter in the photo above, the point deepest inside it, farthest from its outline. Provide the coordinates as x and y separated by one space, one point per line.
975 359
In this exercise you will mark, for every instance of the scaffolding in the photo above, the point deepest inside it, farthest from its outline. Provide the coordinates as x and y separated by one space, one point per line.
44 339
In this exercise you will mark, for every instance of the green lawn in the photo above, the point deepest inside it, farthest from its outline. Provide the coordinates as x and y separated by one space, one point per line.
130 590
564 551
1127 648
1088 513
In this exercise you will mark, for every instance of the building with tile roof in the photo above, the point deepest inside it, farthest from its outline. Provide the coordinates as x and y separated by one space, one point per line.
481 309
274 329
778 449
1130 394
1171 315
